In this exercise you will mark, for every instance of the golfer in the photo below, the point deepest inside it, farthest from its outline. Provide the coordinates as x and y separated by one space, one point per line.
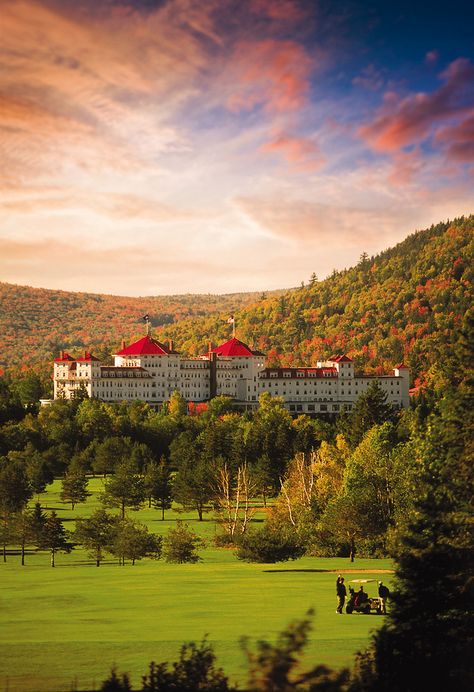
341 594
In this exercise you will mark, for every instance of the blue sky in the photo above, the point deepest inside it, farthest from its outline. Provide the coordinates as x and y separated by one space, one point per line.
226 145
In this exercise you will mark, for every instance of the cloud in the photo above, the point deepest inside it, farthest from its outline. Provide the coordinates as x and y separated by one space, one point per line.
370 78
280 10
301 153
458 140
401 122
132 270
317 225
273 74
431 57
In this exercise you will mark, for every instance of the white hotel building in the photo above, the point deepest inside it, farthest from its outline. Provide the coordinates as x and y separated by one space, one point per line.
150 371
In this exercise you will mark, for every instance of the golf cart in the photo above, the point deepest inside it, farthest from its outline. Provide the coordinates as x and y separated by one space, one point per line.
360 602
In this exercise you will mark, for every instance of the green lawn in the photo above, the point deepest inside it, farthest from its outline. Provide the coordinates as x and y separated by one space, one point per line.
63 628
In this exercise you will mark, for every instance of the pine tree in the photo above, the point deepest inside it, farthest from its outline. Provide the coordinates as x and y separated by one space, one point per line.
55 537
428 640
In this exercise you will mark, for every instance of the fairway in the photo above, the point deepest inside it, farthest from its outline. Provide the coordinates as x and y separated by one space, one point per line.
63 628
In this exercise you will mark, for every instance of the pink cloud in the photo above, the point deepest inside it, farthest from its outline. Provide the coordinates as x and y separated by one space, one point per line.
405 167
458 140
431 57
281 10
404 121
270 73
301 153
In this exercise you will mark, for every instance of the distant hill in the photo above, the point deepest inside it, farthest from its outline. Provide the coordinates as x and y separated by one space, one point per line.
403 304
36 323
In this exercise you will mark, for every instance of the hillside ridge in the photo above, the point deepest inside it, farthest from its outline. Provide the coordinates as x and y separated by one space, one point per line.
402 304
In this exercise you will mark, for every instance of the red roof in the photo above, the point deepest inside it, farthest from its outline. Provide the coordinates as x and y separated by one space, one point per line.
234 347
87 357
340 359
146 347
64 358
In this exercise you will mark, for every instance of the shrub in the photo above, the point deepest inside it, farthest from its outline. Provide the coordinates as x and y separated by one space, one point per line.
180 544
269 545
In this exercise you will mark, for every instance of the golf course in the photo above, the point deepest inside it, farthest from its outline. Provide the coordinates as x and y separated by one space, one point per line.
63 628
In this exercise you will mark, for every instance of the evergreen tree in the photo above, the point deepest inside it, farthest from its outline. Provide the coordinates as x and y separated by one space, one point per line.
132 541
55 537
370 409
157 480
428 640
125 488
74 488
180 544
96 534
15 491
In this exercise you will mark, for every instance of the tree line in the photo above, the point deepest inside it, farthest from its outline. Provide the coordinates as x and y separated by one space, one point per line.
337 486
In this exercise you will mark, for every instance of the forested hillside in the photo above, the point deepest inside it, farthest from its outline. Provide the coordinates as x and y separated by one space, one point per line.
36 323
402 304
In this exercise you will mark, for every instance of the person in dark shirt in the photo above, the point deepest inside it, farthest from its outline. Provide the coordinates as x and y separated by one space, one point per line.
361 597
384 593
341 593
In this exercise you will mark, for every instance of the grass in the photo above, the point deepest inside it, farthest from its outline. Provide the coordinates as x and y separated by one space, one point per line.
63 628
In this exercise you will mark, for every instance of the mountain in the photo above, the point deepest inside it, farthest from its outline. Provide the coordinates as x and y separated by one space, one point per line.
404 304
401 305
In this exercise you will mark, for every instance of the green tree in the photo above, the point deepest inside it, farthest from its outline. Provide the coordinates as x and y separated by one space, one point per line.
158 486
96 534
55 537
343 519
10 404
116 683
38 470
125 488
111 452
370 409
180 544
74 488
37 521
22 531
15 491
29 388
270 544
194 670
428 639
277 667
193 485
132 541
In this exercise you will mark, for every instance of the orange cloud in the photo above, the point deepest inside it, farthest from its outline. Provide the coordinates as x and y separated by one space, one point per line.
328 227
301 153
403 121
270 73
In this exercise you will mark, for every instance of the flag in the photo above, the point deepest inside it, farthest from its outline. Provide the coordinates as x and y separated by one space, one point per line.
146 318
231 320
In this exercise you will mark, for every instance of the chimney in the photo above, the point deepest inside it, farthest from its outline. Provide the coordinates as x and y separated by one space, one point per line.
61 354
210 347
123 344
170 344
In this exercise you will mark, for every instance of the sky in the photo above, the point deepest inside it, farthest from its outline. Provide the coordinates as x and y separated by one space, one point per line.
213 146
